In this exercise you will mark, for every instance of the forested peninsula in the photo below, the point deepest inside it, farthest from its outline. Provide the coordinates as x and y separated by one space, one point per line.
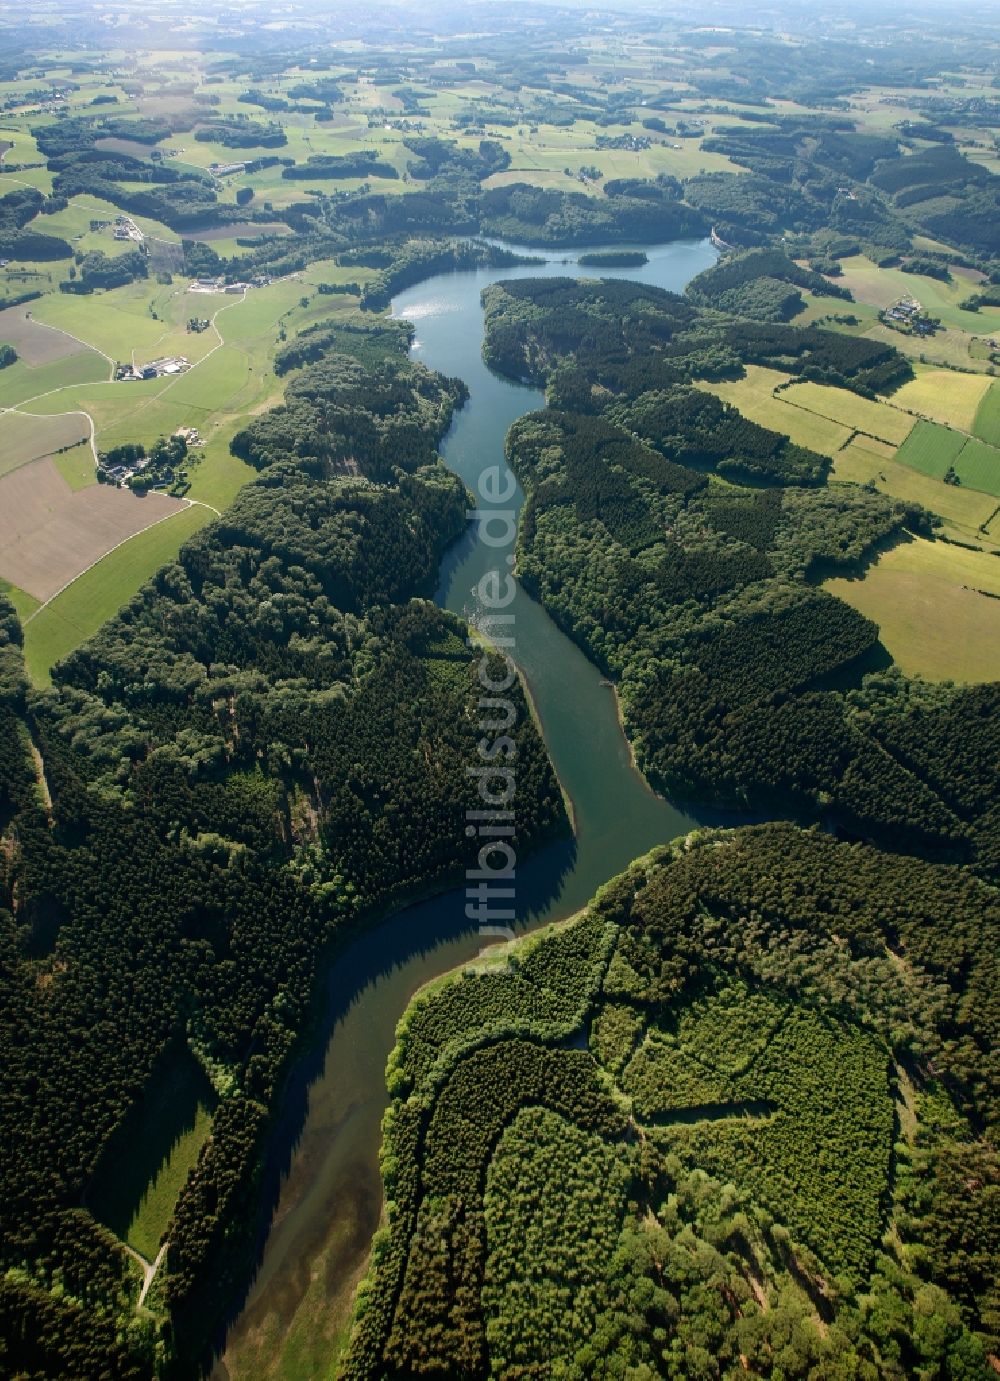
679 1135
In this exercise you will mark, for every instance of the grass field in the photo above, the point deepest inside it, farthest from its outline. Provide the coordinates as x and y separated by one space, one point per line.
24 603
753 396
930 448
849 410
986 424
218 475
978 466
77 467
144 1169
77 613
944 395
881 450
964 511
115 322
27 437
933 620
21 382
948 346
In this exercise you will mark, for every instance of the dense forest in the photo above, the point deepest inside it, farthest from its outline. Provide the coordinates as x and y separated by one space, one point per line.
627 339
821 177
729 1122
266 747
739 1117
761 283
360 407
739 678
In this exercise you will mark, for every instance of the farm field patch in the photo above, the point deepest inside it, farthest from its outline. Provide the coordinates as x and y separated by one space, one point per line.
50 532
944 395
77 466
27 437
78 611
20 383
849 410
107 321
931 449
881 450
986 424
754 396
978 466
964 511
34 342
932 603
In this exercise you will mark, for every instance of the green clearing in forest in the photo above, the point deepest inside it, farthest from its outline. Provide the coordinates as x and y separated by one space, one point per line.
144 1167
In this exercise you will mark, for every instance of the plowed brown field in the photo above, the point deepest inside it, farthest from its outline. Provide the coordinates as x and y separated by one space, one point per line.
49 533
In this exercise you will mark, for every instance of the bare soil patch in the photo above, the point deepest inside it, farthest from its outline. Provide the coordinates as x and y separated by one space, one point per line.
49 533
34 343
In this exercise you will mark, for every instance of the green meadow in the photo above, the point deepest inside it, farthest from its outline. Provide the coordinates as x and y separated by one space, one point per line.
24 604
20 382
986 424
978 466
145 1164
77 466
883 286
931 449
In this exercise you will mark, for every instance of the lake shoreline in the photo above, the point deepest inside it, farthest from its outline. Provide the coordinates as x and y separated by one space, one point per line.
329 1196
